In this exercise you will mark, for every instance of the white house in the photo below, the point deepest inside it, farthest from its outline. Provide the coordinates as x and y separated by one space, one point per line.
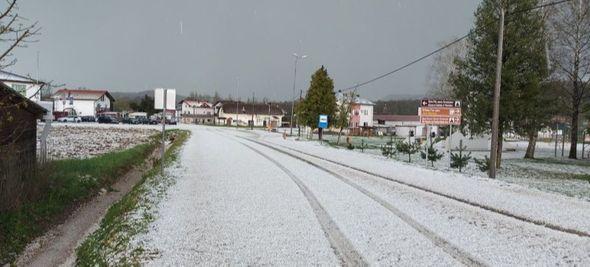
82 102
261 114
196 111
26 86
402 125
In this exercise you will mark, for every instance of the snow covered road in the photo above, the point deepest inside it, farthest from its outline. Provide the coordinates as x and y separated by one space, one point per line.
239 201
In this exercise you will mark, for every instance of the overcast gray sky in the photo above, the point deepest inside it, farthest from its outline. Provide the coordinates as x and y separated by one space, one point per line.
133 45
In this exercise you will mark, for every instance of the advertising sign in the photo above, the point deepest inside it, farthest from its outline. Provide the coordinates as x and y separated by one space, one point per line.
170 99
440 112
323 121
440 103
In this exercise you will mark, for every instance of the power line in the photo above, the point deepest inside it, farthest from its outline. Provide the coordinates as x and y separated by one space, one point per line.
444 47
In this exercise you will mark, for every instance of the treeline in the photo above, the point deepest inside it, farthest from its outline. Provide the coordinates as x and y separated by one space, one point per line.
397 107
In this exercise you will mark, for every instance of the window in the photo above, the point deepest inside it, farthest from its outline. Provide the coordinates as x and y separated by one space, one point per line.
20 88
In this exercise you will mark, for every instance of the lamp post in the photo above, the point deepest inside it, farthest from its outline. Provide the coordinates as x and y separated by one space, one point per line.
297 57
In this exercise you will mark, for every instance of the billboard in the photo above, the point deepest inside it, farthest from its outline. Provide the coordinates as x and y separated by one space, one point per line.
440 112
170 99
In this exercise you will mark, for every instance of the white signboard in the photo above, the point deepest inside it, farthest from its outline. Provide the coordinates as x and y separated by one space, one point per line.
159 99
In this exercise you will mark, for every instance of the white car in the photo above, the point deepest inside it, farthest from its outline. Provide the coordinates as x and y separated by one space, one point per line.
69 119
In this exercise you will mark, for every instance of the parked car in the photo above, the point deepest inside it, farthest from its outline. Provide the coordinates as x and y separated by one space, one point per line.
69 119
88 119
128 120
142 120
107 119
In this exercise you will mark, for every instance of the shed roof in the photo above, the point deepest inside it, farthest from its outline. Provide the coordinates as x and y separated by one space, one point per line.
13 99
6 76
384 117
258 108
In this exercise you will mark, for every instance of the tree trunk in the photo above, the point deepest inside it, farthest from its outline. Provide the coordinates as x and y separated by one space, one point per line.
574 133
339 134
530 150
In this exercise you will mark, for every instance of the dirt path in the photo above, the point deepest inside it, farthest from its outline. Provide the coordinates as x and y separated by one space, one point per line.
57 246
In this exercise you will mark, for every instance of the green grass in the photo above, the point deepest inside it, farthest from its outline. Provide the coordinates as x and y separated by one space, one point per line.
129 217
69 183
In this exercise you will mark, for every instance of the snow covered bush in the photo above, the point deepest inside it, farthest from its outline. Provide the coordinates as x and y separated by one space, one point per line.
431 154
483 164
408 148
460 160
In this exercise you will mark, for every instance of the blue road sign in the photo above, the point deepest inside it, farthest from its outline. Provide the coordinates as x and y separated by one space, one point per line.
323 121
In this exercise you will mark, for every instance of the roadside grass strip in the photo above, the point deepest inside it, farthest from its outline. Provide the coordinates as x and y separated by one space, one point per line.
112 243
64 185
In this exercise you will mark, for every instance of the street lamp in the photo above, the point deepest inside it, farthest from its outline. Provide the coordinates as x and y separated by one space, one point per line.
297 57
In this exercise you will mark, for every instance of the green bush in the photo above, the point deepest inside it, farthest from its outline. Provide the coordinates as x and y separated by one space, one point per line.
483 164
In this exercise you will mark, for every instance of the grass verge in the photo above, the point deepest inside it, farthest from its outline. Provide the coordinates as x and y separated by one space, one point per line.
70 182
111 244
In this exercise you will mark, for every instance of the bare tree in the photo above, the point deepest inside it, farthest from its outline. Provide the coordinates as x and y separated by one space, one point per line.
569 26
443 65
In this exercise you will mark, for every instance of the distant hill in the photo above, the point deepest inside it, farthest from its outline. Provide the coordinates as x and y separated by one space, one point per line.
397 107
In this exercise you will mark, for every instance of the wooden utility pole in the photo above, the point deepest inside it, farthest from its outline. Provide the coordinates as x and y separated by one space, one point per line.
496 113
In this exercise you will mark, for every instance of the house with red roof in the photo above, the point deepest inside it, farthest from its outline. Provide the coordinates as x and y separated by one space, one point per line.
82 102
196 111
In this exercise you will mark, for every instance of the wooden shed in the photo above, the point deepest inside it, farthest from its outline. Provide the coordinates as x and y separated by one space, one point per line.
18 145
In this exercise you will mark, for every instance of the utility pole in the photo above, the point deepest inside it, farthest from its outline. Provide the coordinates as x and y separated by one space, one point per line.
252 124
164 110
297 57
299 126
496 113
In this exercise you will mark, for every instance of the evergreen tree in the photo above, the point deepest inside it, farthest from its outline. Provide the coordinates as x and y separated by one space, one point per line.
524 67
483 164
460 160
388 149
408 148
431 154
320 99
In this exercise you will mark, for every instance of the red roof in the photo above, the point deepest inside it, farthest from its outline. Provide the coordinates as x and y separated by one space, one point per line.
396 117
84 93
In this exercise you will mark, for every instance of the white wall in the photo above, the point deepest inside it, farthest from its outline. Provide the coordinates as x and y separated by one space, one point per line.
31 90
258 119
82 107
366 115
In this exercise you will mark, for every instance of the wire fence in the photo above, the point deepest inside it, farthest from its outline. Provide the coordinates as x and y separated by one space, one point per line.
19 179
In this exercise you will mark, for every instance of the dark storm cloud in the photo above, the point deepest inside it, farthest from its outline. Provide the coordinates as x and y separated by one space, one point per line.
135 45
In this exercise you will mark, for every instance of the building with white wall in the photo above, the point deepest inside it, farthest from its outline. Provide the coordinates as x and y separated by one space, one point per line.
196 111
401 125
362 113
239 113
28 87
82 102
